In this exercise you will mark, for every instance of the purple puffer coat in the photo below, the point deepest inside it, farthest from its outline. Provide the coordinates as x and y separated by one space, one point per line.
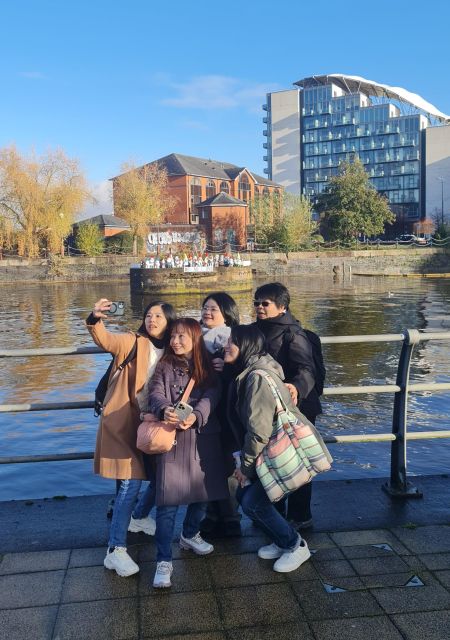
194 470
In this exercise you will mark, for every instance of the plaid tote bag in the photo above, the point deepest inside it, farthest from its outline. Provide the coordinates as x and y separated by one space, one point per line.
294 454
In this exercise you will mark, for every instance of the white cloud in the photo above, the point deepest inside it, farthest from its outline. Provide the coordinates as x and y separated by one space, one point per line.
215 92
32 75
102 194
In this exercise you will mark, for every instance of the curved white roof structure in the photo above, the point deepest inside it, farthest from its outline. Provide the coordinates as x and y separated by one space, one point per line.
355 84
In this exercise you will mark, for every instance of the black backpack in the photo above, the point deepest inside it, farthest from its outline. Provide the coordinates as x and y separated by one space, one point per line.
316 345
102 387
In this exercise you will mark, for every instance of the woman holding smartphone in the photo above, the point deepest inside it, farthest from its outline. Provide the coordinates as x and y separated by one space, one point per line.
193 472
116 455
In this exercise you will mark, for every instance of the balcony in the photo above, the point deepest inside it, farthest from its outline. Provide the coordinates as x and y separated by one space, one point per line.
265 158
265 107
265 132
265 119
266 170
265 145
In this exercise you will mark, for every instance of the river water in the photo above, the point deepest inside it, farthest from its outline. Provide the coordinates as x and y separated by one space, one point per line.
52 315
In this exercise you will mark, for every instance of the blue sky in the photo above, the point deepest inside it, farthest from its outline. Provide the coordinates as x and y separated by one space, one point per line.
111 82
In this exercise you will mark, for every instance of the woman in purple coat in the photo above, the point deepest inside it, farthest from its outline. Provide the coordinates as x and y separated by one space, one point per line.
193 472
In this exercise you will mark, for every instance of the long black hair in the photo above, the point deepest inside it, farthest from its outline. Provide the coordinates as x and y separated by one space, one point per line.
169 313
227 305
251 342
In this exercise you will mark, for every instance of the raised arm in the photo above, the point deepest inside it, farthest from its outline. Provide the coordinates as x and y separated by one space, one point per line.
115 343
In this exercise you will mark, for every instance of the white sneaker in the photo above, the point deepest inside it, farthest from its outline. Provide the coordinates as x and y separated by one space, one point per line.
270 552
196 544
163 574
291 560
146 525
120 561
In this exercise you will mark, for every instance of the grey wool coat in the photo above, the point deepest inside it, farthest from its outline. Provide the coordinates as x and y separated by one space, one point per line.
194 470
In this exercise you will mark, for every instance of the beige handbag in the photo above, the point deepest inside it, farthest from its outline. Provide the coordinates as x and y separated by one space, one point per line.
158 436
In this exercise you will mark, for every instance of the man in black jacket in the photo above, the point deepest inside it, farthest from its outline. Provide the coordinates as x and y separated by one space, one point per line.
288 344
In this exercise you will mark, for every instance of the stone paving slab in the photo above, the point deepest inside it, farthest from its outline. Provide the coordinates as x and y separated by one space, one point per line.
33 624
430 597
436 560
419 626
37 561
165 613
30 589
259 605
357 629
112 619
85 584
432 539
319 605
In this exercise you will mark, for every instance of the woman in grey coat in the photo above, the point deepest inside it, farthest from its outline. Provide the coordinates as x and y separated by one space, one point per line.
251 411
193 472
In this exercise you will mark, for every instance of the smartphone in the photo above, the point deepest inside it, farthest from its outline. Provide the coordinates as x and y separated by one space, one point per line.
116 309
183 410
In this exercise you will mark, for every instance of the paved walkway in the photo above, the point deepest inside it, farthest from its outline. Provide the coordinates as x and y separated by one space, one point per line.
386 583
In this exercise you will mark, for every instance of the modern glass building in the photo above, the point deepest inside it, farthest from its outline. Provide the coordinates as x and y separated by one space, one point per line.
325 120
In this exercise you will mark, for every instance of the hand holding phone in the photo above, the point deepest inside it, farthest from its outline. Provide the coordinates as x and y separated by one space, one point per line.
183 410
116 308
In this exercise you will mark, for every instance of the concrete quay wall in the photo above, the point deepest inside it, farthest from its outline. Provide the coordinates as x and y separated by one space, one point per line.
397 262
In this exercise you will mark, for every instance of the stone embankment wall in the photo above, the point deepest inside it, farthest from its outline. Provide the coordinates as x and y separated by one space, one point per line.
388 262
420 260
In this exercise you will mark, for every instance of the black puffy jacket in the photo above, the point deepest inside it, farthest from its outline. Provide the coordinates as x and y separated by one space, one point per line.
288 344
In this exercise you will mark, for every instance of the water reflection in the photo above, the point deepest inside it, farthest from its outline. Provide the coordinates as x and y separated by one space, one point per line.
53 315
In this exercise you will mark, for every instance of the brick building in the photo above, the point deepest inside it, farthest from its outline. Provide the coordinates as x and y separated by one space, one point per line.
213 194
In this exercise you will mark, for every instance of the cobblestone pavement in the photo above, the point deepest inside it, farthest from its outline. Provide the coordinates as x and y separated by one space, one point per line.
383 583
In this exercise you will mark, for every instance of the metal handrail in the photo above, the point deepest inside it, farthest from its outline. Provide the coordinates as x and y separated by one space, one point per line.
398 486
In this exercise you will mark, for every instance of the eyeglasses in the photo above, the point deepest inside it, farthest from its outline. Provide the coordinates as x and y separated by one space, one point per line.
211 309
262 303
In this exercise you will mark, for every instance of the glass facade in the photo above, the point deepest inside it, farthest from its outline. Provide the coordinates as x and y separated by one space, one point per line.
336 127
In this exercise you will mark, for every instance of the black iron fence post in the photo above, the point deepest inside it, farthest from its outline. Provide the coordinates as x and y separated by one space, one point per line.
398 487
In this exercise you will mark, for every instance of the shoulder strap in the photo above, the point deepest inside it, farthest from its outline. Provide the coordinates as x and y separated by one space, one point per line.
128 359
187 391
273 387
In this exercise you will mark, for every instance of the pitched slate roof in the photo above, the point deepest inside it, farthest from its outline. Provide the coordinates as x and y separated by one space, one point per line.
222 200
106 221
177 164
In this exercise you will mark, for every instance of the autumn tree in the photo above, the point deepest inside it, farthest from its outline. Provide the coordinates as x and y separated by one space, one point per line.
351 206
39 197
293 224
141 198
89 239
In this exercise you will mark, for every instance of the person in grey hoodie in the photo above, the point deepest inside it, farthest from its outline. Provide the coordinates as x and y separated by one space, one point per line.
251 411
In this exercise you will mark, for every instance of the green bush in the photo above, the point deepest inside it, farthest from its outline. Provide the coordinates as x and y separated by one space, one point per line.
89 240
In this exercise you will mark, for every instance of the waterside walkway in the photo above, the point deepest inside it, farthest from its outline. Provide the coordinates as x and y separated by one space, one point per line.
380 569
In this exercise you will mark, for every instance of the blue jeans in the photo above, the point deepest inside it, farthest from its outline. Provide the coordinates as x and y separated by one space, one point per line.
165 525
257 506
146 502
123 508
124 504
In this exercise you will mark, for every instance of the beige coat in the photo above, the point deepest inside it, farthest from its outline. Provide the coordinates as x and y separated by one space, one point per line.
116 455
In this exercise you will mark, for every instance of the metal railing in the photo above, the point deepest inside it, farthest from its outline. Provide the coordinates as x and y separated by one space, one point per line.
398 485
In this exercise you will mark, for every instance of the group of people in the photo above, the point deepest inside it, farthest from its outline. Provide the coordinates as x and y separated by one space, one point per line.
201 260
212 466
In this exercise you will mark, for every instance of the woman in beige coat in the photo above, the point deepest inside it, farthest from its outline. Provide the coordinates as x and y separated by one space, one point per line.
116 455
